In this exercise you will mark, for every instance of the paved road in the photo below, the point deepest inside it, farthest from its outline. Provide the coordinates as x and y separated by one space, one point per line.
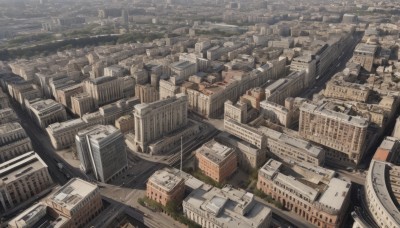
42 146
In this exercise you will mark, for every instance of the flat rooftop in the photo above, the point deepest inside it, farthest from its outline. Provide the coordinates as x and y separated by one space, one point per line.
366 49
98 132
165 179
229 207
306 146
20 166
215 151
322 109
335 194
73 193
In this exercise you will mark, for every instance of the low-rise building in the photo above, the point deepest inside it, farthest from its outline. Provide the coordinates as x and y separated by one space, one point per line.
290 148
13 141
245 132
62 135
226 207
249 156
21 178
126 123
7 115
217 161
319 199
388 151
164 186
78 200
46 112
39 215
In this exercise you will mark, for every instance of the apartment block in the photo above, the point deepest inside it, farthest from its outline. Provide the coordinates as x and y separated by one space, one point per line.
226 207
216 160
22 177
101 150
46 112
164 186
315 195
327 125
13 141
79 201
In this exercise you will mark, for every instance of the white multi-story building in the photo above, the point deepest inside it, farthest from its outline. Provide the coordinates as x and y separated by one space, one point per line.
225 208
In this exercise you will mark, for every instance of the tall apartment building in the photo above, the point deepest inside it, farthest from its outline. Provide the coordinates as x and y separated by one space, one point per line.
322 202
46 112
164 186
326 125
79 201
104 89
157 119
168 89
217 161
13 141
22 178
382 193
225 208
388 151
101 150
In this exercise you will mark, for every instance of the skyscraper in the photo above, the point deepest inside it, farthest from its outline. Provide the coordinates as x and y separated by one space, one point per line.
101 150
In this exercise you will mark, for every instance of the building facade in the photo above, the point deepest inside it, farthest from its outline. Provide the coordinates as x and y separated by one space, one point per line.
22 177
101 150
217 161
164 186
13 141
78 200
343 133
155 120
46 112
324 206
104 89
226 207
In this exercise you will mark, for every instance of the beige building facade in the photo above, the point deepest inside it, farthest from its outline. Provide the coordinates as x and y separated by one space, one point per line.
341 132
155 120
22 177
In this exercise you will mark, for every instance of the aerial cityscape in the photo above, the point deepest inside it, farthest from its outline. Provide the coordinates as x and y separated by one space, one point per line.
199 113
